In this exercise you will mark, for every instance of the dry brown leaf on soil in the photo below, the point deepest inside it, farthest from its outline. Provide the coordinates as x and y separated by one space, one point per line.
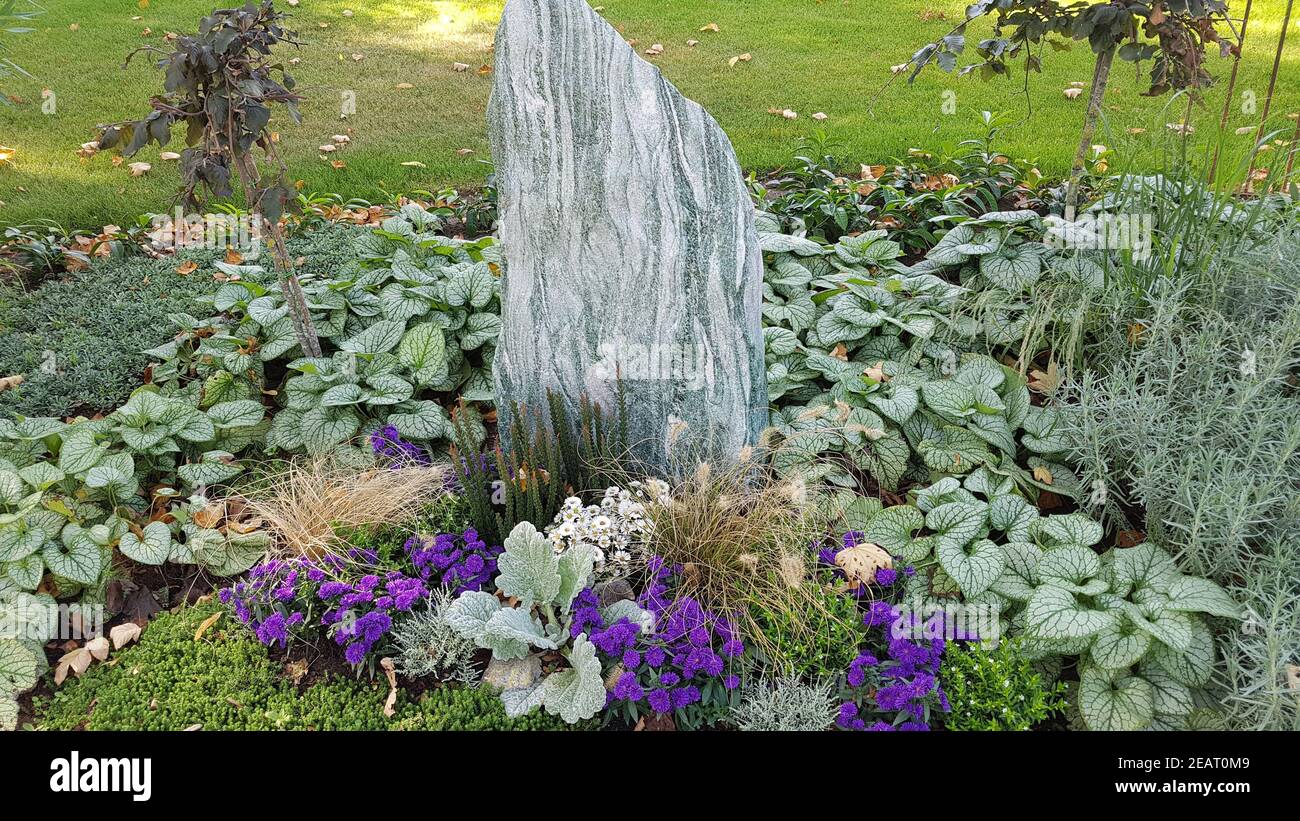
391 674
341 139
99 647
124 634
740 58
1072 93
464 152
1045 382
206 626
186 268
877 372
169 156
819 116
76 661
295 670
861 562
1293 676
327 148
11 381
460 68
403 86
655 50
484 70
211 515
1181 129
840 352
1042 474
338 164
790 114
692 43
139 169
710 27
233 257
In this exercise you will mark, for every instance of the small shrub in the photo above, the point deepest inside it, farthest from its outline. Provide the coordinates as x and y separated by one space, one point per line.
427 646
997 689
786 705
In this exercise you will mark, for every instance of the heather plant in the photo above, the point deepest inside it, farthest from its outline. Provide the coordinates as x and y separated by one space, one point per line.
785 706
997 688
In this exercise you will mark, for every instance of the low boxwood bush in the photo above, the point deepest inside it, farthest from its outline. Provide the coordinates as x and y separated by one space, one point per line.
225 681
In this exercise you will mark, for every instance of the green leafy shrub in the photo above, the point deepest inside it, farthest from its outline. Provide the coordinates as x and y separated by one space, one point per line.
814 636
785 705
224 681
71 491
1136 624
996 689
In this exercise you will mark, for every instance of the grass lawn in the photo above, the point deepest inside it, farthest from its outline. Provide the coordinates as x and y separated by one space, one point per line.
831 56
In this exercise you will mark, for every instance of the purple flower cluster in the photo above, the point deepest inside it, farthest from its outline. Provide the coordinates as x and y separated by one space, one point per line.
388 442
282 596
683 663
361 613
905 684
458 562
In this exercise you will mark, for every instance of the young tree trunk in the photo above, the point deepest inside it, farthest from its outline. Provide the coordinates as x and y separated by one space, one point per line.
294 298
1100 77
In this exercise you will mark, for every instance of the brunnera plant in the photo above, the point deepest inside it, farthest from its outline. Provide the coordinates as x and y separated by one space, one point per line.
221 84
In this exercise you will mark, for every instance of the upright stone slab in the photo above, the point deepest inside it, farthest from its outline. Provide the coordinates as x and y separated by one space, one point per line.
629 240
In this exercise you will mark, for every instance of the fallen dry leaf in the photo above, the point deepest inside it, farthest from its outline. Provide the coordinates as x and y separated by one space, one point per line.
464 152
414 164
1293 676
790 114
124 634
1137 130
295 670
328 148
391 674
146 32
1043 475
740 58
819 116
11 382
1181 129
99 647
876 372
484 70
899 69
206 626
710 27
840 352
692 43
169 156
347 12
77 662
1045 382
338 165
74 27
1072 93
403 86
460 67
211 515
655 50
861 562
341 139
233 257
139 169
1245 129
